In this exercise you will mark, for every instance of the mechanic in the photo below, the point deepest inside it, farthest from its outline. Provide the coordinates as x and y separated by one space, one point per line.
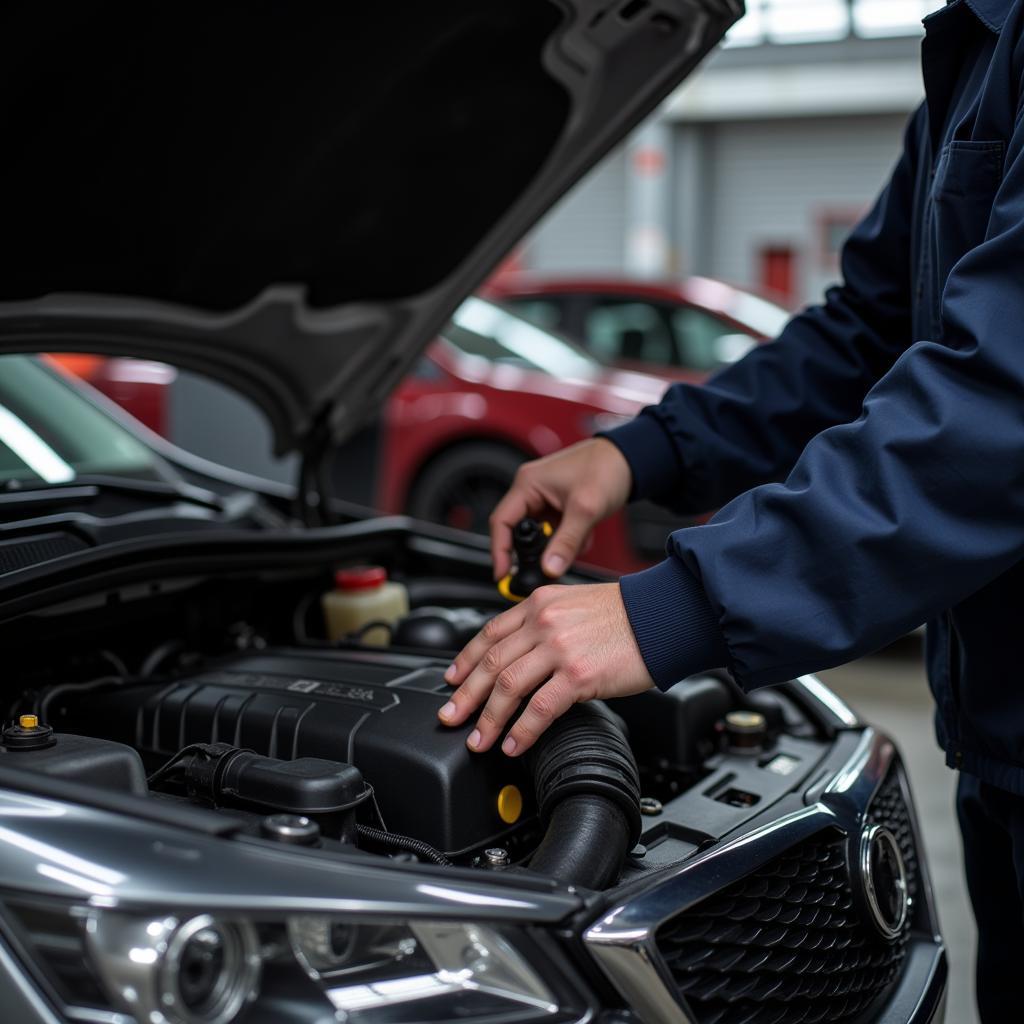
871 467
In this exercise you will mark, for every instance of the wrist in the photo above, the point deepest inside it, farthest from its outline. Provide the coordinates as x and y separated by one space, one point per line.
648 453
675 626
615 469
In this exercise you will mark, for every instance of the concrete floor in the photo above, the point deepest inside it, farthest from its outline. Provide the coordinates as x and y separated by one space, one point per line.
889 690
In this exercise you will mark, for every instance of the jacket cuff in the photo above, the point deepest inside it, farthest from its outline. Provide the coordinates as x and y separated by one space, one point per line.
674 624
647 448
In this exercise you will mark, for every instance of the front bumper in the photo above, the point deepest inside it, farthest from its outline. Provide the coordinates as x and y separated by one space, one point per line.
628 938
625 939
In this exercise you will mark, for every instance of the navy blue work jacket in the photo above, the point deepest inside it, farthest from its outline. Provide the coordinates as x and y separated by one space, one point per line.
871 460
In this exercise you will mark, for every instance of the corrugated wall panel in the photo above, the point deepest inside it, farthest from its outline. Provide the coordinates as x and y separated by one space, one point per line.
586 231
770 181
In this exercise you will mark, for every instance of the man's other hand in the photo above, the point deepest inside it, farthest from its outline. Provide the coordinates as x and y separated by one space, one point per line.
574 489
559 646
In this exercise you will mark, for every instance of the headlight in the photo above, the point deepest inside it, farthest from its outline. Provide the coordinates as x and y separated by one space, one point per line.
202 970
212 968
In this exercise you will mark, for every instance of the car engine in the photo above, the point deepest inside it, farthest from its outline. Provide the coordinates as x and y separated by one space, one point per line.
228 694
343 745
199 687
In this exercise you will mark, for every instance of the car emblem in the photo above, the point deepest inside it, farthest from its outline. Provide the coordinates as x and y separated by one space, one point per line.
883 880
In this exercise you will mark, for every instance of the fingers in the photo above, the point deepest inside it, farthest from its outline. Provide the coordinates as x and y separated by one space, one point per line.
506 514
514 682
493 667
577 519
494 630
551 701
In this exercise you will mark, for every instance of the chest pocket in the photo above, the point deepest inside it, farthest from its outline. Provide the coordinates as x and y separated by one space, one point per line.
965 183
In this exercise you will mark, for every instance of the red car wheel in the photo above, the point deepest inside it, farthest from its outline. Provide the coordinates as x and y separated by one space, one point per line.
461 486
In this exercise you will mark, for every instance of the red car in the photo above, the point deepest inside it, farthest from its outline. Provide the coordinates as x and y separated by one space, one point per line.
682 330
492 392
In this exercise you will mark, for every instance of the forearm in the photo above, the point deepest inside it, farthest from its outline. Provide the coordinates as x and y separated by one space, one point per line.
886 521
701 446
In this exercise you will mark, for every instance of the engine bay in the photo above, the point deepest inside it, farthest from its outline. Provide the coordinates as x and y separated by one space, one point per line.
223 691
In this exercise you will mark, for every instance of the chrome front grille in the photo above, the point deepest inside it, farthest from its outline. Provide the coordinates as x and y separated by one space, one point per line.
788 944
785 936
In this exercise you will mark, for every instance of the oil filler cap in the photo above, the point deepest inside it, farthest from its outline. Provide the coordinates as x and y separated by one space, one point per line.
28 733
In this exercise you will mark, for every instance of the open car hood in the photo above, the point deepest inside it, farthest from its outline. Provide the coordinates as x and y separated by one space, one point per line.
293 198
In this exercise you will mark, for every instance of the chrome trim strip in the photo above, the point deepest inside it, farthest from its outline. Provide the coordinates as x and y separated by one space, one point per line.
821 693
638 918
641 983
622 940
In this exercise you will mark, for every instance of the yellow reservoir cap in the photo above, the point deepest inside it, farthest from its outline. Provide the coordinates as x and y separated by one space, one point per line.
29 721
510 804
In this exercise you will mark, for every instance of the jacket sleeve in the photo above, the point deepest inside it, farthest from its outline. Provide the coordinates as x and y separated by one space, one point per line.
885 521
701 446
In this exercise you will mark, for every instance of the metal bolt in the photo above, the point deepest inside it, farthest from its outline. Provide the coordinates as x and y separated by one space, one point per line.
648 805
291 828
496 857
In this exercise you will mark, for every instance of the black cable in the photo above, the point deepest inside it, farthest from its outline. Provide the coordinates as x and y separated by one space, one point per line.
119 665
358 634
44 699
299 614
159 653
403 844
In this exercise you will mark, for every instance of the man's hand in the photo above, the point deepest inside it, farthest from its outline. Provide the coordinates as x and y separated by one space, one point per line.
562 645
575 488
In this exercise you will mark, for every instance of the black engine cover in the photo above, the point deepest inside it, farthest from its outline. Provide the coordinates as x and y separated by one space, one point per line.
376 711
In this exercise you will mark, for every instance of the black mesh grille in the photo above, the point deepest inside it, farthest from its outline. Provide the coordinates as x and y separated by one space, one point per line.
17 554
789 944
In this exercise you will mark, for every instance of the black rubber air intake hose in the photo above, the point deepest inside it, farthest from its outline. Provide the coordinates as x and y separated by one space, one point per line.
588 795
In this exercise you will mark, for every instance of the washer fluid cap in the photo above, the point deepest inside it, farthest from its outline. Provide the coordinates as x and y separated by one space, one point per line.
363 577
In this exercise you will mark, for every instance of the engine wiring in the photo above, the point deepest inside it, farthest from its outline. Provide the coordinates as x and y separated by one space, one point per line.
46 697
402 844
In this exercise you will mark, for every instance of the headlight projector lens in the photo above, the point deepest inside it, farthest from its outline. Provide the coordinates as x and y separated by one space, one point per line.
164 970
210 969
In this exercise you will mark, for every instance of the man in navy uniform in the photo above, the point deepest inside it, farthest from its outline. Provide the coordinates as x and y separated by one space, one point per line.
870 465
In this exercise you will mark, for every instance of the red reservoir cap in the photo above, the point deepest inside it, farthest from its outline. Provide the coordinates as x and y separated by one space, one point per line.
361 577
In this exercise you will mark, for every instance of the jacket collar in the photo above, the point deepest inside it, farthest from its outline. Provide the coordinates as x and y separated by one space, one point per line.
991 13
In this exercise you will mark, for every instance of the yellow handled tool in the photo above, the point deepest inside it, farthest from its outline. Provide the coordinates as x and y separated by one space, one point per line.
529 539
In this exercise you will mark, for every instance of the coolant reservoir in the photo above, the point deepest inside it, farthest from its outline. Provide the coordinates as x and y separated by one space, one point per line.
363 596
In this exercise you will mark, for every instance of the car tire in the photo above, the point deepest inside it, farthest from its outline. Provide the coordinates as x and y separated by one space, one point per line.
461 486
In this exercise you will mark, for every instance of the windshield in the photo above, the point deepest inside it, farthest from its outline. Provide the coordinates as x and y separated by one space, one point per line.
50 433
480 328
